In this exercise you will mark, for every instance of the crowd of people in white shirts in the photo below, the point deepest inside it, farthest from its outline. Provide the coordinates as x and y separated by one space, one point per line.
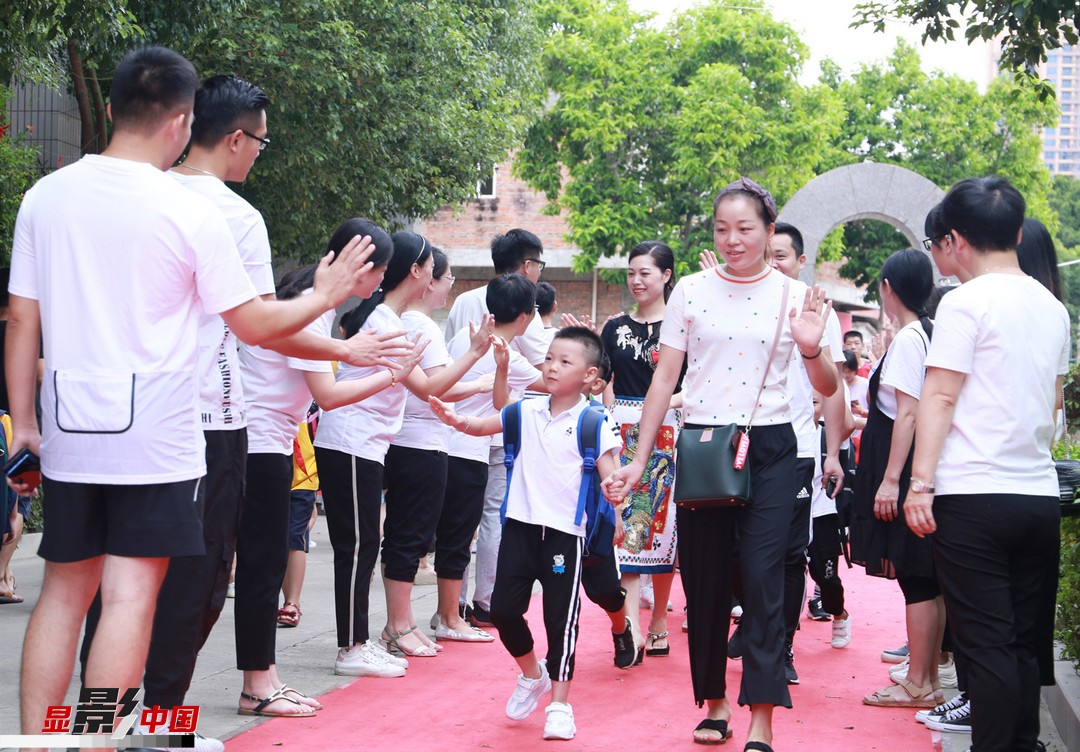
177 372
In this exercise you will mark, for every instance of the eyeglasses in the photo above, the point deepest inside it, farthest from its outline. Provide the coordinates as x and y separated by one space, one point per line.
263 142
927 242
538 262
450 278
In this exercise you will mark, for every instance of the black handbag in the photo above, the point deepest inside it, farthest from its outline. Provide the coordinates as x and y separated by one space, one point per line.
712 463
1068 473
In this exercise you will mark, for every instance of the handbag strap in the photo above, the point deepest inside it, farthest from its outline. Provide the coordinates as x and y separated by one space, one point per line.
772 350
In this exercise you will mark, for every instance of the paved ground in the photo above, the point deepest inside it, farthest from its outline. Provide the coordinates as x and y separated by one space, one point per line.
305 654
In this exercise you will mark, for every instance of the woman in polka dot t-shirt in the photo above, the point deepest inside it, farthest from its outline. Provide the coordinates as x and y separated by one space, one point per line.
723 322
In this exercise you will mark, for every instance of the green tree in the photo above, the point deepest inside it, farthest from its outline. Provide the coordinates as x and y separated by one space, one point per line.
1065 200
645 124
1024 28
18 170
941 127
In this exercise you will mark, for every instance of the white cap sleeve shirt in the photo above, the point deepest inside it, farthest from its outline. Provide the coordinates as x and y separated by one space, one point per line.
420 429
364 429
277 392
1010 337
726 326
221 390
520 375
118 255
903 367
546 480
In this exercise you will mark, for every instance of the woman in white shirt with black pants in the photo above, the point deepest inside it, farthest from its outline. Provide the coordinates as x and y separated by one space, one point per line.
982 479
722 322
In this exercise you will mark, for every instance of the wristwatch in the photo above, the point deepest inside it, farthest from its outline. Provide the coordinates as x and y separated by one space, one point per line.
917 486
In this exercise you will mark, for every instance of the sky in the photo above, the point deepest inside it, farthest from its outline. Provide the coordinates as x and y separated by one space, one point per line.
823 27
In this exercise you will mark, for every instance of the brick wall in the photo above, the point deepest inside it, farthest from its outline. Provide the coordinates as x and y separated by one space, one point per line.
573 296
477 222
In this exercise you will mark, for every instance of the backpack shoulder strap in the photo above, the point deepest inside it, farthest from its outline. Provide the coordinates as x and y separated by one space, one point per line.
590 423
511 420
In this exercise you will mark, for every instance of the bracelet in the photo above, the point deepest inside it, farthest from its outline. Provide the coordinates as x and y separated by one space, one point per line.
393 379
468 422
820 349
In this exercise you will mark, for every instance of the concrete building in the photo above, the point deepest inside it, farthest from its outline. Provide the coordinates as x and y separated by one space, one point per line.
1061 144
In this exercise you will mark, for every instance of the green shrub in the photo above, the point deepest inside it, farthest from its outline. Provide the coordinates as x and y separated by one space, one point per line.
1068 602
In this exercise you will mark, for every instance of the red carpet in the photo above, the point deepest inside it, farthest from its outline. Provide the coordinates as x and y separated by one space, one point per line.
456 701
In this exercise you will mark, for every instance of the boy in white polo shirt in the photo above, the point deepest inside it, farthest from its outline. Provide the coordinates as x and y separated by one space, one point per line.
541 540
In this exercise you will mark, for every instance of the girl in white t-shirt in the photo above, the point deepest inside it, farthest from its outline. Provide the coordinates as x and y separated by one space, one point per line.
880 539
279 391
722 322
416 472
351 447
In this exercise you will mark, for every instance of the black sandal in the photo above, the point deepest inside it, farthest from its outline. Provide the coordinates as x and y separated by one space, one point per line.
720 727
658 652
757 746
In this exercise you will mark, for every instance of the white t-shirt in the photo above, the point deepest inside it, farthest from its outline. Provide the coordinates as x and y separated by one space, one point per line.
546 481
802 391
859 389
521 374
470 307
902 367
1010 337
277 393
364 429
221 391
118 256
726 326
420 429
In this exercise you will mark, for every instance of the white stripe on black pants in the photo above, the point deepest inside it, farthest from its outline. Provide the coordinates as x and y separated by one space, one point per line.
352 493
529 554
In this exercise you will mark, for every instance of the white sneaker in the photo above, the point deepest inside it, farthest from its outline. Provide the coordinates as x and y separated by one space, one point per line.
527 694
939 710
647 595
393 660
365 660
560 721
841 632
946 673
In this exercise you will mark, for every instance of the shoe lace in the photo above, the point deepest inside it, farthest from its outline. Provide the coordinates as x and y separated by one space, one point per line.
958 713
959 701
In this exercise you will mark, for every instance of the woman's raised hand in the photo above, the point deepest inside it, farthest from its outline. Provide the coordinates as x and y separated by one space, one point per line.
500 351
808 325
707 260
480 336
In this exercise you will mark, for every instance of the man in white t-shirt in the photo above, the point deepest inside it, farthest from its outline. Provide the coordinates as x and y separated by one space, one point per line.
111 261
515 252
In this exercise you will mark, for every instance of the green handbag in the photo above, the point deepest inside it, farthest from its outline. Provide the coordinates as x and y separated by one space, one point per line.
712 463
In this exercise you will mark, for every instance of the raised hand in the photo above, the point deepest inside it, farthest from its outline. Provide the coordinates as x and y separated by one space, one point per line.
707 260
406 364
371 348
500 351
569 319
808 324
444 413
480 336
338 279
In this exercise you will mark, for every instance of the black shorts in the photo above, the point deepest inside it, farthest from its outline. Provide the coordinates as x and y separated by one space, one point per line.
83 520
301 502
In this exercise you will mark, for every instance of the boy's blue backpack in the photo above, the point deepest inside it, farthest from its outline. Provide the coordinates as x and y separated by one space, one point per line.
599 515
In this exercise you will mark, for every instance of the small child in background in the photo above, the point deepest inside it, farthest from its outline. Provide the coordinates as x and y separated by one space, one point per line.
302 516
825 547
541 540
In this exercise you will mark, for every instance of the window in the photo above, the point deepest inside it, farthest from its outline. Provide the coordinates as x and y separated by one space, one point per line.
485 186
1049 156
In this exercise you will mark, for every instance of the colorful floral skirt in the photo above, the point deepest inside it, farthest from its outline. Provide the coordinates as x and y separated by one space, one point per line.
649 518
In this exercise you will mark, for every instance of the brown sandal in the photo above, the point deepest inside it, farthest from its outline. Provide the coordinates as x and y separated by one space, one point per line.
289 615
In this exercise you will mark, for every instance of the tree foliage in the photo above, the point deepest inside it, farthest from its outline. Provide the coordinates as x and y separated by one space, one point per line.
647 123
1024 28
381 109
941 127
18 170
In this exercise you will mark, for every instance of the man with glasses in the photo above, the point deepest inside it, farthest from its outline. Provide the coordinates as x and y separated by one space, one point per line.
517 251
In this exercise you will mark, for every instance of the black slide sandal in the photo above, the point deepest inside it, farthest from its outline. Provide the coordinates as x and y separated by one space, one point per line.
757 747
720 727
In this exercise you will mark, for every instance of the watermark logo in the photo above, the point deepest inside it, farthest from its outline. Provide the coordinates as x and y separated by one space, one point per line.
105 719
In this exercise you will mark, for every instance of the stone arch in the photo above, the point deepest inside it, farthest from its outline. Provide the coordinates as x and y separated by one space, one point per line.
888 193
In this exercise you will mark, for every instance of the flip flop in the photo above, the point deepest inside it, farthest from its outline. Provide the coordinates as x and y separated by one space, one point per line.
297 696
719 726
10 597
263 702
658 652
